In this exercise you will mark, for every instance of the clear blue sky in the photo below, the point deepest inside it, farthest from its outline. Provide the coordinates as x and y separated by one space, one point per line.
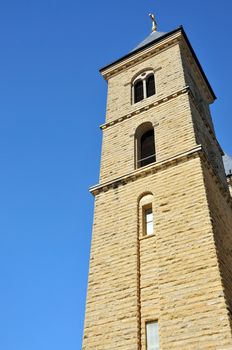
52 100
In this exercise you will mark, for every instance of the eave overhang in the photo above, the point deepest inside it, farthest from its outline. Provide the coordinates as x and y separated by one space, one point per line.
144 52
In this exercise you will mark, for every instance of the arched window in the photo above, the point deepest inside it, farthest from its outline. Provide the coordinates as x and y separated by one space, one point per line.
143 86
146 215
138 91
145 145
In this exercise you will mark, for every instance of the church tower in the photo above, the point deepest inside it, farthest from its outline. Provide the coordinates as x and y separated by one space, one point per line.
161 259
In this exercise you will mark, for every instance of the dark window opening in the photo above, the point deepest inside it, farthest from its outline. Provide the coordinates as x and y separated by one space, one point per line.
147 150
138 88
150 85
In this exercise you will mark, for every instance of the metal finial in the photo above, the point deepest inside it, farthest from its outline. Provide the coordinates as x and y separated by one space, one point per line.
154 24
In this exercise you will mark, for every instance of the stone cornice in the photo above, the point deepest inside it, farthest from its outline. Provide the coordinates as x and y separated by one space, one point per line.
146 108
197 151
184 90
172 38
140 56
145 171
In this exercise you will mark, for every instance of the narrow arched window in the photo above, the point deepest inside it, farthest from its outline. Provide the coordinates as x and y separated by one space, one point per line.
150 85
147 148
138 91
144 145
146 216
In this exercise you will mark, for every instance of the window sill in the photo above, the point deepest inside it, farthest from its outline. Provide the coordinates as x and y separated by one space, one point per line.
144 166
144 100
146 237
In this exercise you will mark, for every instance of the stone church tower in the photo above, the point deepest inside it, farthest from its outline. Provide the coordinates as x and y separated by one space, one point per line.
161 260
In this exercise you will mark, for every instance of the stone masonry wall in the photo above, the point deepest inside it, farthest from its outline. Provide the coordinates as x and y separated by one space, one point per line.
112 310
207 138
174 133
221 214
193 80
172 276
169 78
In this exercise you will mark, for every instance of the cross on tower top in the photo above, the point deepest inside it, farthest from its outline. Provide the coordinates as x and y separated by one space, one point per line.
154 23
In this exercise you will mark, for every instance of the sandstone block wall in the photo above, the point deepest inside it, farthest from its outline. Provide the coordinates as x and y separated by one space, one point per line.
174 134
206 137
221 215
168 77
172 276
181 275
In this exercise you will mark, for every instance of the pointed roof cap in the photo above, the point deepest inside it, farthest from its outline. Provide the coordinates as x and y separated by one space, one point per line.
149 39
227 164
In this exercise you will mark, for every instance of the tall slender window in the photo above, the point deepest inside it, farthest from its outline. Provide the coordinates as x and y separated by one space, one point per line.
150 85
147 151
146 216
138 91
148 221
152 335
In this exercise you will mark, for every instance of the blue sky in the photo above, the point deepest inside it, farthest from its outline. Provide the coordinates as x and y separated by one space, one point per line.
52 100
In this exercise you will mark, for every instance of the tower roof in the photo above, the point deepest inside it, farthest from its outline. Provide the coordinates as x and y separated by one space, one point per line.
228 164
149 39
153 39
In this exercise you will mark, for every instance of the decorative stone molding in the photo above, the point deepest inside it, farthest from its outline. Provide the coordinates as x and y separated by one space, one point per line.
159 166
140 56
146 171
185 90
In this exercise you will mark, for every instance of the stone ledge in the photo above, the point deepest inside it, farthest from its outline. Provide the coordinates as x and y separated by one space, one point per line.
197 151
108 72
185 90
146 170
142 238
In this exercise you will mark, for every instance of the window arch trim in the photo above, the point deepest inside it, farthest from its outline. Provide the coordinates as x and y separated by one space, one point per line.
142 76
